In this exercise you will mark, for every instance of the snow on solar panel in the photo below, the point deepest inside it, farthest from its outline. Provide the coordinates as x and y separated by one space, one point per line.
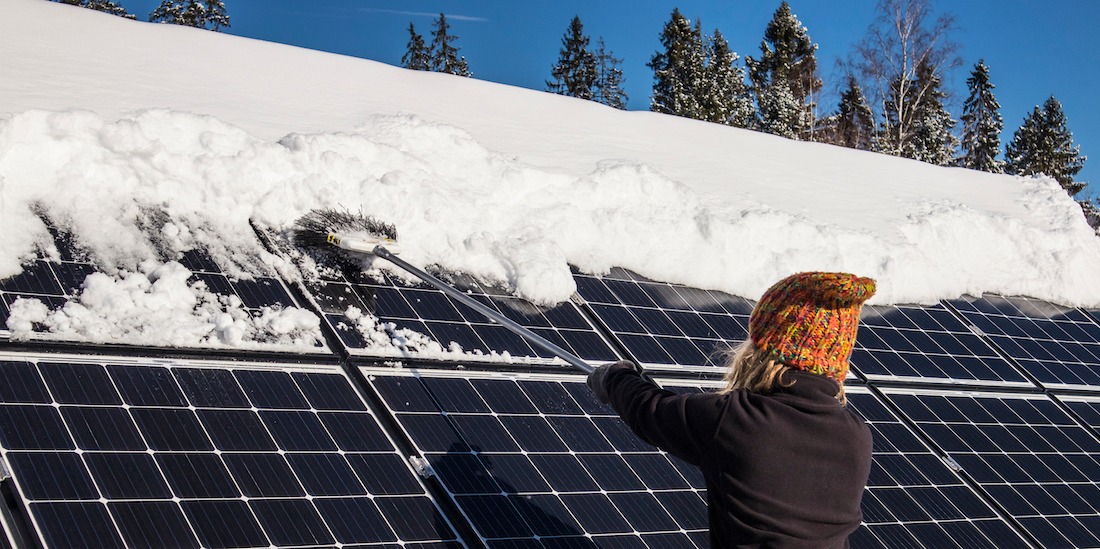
140 453
1058 346
1029 455
663 324
380 314
927 343
530 457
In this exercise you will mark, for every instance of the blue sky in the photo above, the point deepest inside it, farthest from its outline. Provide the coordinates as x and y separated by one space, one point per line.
1034 49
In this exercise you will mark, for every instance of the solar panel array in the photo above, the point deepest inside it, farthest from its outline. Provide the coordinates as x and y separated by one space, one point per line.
985 413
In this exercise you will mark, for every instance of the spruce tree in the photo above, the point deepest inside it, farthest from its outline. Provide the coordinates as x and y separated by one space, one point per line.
575 74
678 70
1044 145
982 123
932 140
417 57
725 98
785 77
854 125
106 6
609 79
445 56
206 14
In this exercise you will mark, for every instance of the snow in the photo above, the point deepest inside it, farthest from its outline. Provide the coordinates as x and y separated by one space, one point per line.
161 139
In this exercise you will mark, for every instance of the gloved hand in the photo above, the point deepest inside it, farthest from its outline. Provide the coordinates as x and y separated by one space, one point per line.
597 380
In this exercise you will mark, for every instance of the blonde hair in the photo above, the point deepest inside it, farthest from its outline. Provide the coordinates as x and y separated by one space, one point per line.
748 367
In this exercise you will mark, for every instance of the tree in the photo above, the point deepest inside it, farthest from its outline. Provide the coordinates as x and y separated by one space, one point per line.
785 77
854 123
445 56
932 140
575 74
678 70
982 123
204 14
1044 145
106 6
902 37
724 96
417 57
609 78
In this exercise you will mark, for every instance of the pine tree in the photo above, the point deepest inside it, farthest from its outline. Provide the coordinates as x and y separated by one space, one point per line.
575 73
982 123
106 6
417 57
785 77
444 54
207 14
1044 145
678 70
854 125
932 140
609 79
724 96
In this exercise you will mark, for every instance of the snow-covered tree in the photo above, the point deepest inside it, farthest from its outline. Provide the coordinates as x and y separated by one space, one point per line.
1044 145
678 71
903 36
576 72
854 124
785 78
609 79
932 140
106 6
445 56
982 123
724 96
417 57
203 14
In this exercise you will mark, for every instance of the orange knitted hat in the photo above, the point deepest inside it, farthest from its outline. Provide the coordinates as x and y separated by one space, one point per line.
808 321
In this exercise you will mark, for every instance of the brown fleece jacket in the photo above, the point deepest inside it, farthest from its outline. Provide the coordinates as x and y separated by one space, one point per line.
786 469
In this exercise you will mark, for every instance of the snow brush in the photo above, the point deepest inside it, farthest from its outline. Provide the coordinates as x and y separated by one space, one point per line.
362 234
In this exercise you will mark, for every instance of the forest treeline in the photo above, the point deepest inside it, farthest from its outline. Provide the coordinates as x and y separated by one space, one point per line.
892 98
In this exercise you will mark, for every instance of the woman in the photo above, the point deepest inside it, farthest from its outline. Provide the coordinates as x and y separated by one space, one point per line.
785 461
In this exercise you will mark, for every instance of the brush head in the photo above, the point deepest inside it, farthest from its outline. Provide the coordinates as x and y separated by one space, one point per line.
317 228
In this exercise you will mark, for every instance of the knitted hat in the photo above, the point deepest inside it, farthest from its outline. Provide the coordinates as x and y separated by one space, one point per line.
808 321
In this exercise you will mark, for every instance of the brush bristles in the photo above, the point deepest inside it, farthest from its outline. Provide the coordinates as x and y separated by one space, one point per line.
312 229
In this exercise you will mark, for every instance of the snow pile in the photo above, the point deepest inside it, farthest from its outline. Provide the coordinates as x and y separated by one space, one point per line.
507 185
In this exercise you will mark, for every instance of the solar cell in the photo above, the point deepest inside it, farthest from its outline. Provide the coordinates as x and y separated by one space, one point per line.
525 460
1058 346
193 454
666 325
927 343
1031 457
377 314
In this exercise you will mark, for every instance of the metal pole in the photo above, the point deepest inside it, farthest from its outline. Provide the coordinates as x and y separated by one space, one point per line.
519 329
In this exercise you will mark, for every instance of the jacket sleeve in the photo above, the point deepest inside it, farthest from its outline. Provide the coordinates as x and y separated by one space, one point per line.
682 425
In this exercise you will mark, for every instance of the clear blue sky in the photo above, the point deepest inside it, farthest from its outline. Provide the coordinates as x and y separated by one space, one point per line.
1034 49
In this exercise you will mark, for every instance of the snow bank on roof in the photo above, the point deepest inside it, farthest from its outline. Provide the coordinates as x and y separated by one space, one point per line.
161 182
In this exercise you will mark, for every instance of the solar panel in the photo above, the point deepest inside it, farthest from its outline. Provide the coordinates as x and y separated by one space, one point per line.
55 283
378 314
913 497
124 453
927 343
1058 346
1032 458
665 325
529 457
